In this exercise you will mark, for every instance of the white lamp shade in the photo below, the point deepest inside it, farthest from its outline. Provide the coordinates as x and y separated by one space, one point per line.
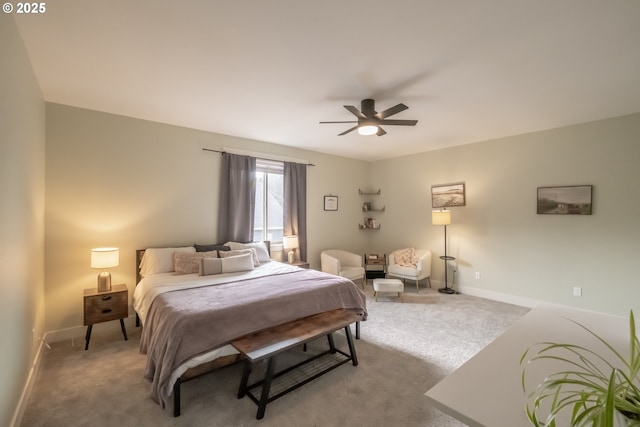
290 242
442 217
105 257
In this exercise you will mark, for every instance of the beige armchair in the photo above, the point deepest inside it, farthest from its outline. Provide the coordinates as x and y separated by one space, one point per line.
342 263
421 269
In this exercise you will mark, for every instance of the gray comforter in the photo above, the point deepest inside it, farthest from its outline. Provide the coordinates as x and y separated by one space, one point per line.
186 323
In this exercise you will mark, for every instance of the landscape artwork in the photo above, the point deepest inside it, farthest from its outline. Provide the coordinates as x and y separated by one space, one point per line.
570 200
447 195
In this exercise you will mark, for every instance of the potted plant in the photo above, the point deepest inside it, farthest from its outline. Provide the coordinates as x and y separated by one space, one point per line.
593 390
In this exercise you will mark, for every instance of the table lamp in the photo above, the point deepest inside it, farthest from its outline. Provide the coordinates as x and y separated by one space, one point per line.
104 258
290 243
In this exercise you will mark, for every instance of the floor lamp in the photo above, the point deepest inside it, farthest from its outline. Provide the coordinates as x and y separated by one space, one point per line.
443 217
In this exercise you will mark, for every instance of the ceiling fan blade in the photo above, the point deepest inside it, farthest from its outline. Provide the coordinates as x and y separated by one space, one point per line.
380 131
353 110
391 111
348 130
399 122
352 121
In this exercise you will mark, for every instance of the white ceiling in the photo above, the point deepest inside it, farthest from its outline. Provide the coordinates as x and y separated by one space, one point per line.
270 70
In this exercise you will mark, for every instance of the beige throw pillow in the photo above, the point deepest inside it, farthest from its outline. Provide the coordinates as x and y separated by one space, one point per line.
406 257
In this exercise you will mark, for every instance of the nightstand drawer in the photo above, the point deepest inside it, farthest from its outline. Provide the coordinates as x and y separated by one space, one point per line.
105 307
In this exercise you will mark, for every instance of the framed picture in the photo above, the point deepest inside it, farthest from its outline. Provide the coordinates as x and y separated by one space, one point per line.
570 200
447 195
330 203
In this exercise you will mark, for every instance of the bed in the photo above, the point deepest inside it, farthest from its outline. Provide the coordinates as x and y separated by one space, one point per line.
189 318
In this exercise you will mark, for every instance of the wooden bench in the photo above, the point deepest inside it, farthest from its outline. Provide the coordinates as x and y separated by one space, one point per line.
269 343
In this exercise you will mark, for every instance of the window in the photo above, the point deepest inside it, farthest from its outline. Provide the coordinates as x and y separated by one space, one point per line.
269 213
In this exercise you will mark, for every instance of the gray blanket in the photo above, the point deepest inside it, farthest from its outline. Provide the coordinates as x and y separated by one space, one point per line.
186 323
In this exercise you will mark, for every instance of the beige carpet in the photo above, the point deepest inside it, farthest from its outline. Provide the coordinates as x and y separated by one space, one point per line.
406 348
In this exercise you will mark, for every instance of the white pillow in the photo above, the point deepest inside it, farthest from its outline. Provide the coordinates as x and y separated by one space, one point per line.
260 247
237 263
210 266
160 260
252 251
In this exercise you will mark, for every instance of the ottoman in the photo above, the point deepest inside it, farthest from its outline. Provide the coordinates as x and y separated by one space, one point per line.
387 285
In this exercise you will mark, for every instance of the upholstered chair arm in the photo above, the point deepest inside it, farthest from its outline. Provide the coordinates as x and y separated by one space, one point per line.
330 264
391 259
424 264
350 259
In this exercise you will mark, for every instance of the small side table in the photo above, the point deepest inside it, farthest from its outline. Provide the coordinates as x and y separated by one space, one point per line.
375 267
301 264
446 289
105 306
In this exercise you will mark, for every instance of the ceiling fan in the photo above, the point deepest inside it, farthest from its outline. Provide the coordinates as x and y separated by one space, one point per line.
369 120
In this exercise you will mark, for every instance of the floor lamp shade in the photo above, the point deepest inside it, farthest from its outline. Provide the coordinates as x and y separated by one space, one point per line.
442 217
104 258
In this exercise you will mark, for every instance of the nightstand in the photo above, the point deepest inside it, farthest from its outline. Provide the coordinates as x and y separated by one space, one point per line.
105 306
301 264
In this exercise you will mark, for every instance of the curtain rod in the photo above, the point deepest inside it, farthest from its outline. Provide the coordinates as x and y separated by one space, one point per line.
261 158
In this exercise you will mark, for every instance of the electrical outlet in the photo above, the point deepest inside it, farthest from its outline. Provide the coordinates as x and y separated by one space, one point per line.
577 291
477 275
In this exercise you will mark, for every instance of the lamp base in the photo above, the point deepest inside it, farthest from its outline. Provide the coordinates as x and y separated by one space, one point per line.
104 281
446 291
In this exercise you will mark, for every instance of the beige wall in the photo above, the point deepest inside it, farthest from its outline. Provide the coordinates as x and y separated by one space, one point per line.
521 256
118 181
22 146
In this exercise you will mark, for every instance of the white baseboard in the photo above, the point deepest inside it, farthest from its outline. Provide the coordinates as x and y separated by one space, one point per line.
78 332
498 296
28 387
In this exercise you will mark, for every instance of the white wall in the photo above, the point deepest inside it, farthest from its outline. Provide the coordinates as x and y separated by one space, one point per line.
22 146
521 254
129 183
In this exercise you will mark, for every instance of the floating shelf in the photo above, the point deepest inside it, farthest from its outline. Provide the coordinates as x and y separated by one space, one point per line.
369 193
382 209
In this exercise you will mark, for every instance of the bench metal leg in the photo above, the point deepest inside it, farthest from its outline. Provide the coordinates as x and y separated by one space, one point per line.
358 330
352 348
242 391
266 388
332 345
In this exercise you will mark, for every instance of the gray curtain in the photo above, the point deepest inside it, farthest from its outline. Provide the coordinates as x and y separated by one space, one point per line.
295 204
237 198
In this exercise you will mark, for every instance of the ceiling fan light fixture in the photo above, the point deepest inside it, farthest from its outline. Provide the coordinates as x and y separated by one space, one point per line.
367 130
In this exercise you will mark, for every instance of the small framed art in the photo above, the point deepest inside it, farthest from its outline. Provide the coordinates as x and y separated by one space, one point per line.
447 195
569 200
330 203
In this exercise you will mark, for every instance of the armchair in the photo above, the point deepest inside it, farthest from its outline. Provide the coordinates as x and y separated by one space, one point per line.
342 263
421 270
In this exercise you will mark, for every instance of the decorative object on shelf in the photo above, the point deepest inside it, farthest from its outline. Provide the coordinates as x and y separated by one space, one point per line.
104 258
596 389
370 223
290 243
448 195
330 203
443 217
570 200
